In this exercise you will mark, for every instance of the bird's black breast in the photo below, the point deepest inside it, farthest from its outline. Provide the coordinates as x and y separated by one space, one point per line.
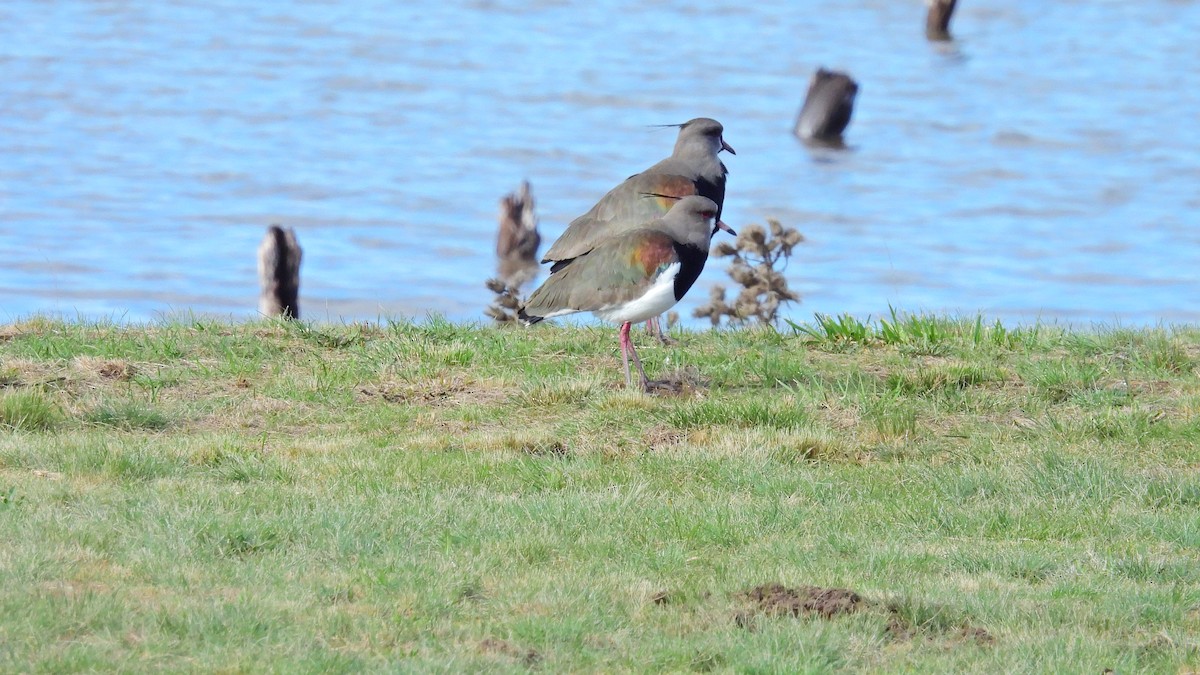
691 264
713 188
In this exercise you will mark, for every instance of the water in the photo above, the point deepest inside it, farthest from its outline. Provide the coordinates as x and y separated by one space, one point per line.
1046 166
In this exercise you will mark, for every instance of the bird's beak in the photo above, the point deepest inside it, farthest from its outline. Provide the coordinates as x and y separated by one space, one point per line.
728 147
722 226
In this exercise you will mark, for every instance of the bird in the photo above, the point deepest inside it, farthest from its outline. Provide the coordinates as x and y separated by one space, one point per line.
692 169
633 275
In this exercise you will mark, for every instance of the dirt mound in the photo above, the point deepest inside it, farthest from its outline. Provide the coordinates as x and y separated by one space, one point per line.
681 382
827 603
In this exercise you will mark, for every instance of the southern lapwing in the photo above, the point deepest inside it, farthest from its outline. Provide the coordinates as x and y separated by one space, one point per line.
632 276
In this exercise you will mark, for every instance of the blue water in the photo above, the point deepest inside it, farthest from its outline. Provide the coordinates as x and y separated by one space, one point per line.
1044 166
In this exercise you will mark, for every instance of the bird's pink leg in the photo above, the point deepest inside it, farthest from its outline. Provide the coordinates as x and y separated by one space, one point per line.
654 327
627 345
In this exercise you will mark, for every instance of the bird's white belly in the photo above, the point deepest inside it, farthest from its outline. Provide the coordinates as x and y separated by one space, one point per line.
657 299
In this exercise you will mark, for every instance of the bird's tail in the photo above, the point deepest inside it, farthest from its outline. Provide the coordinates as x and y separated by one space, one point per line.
527 319
559 264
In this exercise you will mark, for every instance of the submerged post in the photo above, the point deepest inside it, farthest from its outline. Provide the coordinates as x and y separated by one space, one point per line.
937 21
827 107
279 273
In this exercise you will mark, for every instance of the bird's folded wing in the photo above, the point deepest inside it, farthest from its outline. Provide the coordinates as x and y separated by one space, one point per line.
618 270
635 202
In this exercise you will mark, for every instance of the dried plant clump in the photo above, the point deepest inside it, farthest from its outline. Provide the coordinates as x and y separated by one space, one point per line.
506 303
517 243
756 255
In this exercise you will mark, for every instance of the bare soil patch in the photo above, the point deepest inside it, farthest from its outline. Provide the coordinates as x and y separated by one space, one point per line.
680 382
437 392
827 603
777 599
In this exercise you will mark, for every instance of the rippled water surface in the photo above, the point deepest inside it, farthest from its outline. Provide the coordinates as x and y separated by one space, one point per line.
1046 165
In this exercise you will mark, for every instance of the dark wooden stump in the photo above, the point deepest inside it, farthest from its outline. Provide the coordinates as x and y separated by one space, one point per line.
279 273
937 21
827 107
517 240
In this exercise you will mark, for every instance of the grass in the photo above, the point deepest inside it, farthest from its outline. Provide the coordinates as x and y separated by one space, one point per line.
441 497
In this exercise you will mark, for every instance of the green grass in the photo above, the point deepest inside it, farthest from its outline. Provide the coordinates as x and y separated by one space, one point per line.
439 497
26 411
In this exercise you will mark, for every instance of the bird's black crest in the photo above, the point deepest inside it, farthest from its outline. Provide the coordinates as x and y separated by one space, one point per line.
655 194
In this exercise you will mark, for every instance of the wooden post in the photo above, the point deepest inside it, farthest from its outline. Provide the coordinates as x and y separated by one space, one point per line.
937 21
517 240
279 273
827 107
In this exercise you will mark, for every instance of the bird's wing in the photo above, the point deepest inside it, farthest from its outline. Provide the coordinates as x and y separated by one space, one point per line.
638 200
617 270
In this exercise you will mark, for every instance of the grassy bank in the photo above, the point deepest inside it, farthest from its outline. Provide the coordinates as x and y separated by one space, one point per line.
924 494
